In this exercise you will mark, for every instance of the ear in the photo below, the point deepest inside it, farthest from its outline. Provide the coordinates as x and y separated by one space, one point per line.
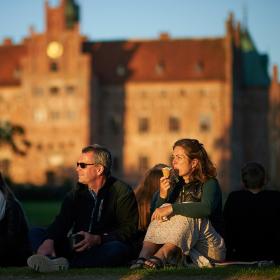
194 163
100 169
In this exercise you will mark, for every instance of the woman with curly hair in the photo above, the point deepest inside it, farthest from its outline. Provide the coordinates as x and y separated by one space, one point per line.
188 220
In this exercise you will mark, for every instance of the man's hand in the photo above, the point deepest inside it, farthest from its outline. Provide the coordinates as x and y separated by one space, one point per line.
89 241
164 187
47 248
163 212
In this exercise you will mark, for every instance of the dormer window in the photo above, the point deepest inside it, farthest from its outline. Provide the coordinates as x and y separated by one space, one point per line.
160 68
120 70
17 73
199 66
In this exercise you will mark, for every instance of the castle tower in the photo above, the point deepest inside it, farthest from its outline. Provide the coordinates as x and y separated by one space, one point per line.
55 85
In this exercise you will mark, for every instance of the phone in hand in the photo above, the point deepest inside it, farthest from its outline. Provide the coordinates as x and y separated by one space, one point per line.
76 238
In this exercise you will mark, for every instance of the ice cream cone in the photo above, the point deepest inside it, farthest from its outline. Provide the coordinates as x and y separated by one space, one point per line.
166 171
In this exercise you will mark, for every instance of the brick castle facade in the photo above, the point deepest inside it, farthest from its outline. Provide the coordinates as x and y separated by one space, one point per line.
135 96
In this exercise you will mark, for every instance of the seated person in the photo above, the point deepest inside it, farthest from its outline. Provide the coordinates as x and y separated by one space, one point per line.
14 242
144 193
251 216
102 210
188 218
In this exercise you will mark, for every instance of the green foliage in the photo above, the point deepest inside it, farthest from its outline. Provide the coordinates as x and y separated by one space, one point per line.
41 213
32 192
8 135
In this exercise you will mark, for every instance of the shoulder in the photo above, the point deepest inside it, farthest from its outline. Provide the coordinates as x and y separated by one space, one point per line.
118 185
211 183
271 195
238 195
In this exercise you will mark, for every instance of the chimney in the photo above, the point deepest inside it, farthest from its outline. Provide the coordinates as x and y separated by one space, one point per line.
164 36
7 41
275 73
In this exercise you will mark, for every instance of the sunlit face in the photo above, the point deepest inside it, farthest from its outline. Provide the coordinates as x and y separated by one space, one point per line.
89 174
183 163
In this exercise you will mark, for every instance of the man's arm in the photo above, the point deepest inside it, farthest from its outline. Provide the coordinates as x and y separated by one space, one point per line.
127 217
64 220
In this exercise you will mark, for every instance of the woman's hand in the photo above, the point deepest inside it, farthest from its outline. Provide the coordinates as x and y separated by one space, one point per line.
162 213
164 187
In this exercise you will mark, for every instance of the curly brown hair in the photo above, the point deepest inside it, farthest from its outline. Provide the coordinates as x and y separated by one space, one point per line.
194 150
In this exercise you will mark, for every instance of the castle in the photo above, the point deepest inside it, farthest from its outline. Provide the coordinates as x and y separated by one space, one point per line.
136 97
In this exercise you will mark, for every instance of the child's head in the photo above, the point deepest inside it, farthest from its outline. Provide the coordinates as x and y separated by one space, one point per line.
253 176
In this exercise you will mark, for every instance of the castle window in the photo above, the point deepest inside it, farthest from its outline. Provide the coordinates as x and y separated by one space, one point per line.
53 67
50 146
70 115
174 124
143 125
39 147
54 90
204 123
55 115
143 163
183 92
61 145
37 91
70 90
40 115
114 124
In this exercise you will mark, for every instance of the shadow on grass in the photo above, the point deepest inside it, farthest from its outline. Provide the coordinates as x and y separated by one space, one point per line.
126 274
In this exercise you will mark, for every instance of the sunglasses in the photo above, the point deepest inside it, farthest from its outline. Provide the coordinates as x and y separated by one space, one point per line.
84 165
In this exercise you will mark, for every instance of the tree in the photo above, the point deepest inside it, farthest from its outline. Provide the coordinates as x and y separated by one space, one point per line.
13 135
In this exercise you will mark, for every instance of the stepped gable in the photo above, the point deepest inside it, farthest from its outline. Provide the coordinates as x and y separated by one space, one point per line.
158 60
10 64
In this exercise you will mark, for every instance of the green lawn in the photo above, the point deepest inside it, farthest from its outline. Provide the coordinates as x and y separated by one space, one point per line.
41 213
232 273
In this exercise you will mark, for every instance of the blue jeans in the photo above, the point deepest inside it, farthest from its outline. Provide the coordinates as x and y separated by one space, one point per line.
109 254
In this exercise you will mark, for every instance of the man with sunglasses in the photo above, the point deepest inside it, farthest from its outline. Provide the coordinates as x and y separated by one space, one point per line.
102 215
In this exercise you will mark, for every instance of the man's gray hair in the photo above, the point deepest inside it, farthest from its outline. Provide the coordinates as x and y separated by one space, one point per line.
101 156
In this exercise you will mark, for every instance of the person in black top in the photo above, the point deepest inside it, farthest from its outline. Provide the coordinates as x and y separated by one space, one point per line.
251 216
102 215
14 242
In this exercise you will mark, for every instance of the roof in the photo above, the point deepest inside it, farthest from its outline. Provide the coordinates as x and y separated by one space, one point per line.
10 60
158 60
146 61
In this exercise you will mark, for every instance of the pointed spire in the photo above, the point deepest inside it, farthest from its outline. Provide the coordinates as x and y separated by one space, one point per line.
245 17
71 13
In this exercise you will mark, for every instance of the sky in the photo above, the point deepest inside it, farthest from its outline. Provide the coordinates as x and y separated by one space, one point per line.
146 19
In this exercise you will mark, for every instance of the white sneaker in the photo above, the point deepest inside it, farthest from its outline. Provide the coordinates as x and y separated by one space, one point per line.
45 264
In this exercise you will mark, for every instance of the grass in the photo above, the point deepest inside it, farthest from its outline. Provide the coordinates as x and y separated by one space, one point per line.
41 213
168 273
